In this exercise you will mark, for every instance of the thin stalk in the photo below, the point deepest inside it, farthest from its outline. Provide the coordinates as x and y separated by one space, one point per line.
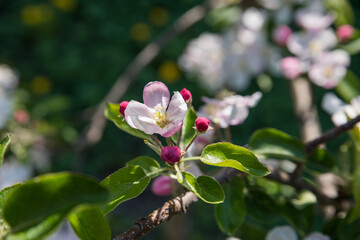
192 140
191 159
157 141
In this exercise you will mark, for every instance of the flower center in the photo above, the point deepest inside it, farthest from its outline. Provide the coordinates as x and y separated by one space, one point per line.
160 116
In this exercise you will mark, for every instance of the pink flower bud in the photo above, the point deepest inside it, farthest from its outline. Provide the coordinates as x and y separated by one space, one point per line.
186 94
162 186
202 124
281 34
21 116
123 106
290 67
170 155
345 32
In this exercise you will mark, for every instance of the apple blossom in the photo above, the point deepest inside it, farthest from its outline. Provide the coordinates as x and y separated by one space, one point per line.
345 32
330 69
232 110
156 114
170 155
282 233
281 34
291 67
162 186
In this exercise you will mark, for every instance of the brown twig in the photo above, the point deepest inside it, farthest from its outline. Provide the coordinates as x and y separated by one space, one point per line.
94 133
181 203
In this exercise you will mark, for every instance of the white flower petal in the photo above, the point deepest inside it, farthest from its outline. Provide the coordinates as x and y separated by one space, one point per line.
177 109
139 116
331 103
156 93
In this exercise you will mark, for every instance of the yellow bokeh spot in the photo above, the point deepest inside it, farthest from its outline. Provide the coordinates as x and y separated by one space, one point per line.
169 71
140 32
36 14
40 85
65 5
158 16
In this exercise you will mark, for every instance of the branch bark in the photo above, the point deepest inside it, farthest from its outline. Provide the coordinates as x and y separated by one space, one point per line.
181 203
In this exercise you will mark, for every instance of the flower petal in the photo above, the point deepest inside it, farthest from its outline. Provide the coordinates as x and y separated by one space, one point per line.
139 116
177 109
170 129
156 93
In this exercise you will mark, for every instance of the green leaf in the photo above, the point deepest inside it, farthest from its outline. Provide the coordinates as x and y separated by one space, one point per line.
148 164
4 193
343 10
112 113
320 160
187 130
40 230
349 87
230 214
273 143
229 155
89 223
355 214
4 143
347 229
124 184
352 47
205 187
43 196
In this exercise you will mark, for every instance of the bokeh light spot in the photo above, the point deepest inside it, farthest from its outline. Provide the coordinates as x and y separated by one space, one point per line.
169 71
140 32
65 5
36 14
41 85
158 16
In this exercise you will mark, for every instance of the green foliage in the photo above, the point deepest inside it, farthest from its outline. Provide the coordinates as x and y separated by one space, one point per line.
89 223
148 164
205 187
42 229
273 143
124 184
343 10
230 214
113 114
230 155
355 214
187 130
4 193
47 195
4 143
352 47
320 160
347 229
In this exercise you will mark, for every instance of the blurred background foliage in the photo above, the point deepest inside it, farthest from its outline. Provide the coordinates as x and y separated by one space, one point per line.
68 54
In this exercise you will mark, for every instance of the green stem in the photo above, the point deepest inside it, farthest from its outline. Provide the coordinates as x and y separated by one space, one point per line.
169 142
191 159
192 140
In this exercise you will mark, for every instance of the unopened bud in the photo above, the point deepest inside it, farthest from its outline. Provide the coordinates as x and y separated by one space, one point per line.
123 106
162 186
345 32
170 155
186 94
202 124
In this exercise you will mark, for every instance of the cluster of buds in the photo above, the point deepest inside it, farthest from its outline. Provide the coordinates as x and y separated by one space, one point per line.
159 115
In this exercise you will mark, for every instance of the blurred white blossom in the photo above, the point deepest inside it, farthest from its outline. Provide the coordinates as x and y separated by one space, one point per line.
288 233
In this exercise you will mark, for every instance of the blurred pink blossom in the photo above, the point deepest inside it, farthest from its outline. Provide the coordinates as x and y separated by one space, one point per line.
345 32
281 34
290 67
162 186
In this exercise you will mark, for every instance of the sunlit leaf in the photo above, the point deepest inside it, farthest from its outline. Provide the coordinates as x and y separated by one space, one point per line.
89 223
4 143
124 184
187 130
148 164
230 155
343 10
205 187
273 143
43 196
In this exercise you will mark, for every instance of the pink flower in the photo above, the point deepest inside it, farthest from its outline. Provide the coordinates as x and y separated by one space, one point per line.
281 34
202 124
170 155
123 106
330 69
156 114
290 67
345 32
162 186
186 94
